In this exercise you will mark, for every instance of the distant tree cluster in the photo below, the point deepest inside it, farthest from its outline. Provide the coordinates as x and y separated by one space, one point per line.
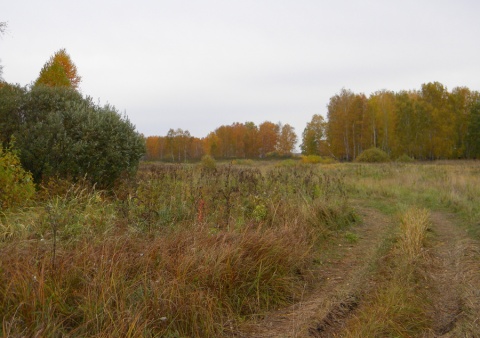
431 123
177 146
428 124
238 140
60 133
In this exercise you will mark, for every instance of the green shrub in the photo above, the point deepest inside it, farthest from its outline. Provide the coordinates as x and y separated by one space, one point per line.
10 96
16 184
405 159
373 155
313 159
68 136
208 162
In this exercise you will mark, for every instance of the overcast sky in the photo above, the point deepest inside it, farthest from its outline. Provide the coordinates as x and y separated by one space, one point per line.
198 64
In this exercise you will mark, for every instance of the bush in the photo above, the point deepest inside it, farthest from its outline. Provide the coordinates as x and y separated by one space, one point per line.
67 136
16 184
10 96
313 159
277 155
373 155
405 159
208 162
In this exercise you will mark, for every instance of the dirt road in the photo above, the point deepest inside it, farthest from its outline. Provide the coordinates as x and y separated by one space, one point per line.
451 266
343 276
453 272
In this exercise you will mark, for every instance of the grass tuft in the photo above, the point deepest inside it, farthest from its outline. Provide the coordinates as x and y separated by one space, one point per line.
413 225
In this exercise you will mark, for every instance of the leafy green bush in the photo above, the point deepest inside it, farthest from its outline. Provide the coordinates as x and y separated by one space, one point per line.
373 155
16 184
313 159
405 159
277 155
208 162
68 136
10 96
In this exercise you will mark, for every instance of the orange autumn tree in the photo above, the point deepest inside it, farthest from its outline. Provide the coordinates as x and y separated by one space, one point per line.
59 71
155 147
251 140
268 134
381 117
341 124
287 139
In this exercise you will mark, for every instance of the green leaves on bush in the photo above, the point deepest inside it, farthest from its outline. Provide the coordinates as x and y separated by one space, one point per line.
373 155
405 159
16 184
208 162
60 133
10 117
314 159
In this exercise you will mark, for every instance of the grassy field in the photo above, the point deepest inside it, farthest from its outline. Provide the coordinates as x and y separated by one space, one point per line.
201 251
450 186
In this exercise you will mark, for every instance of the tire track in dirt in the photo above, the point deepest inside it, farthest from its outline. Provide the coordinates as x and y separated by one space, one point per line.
453 273
342 281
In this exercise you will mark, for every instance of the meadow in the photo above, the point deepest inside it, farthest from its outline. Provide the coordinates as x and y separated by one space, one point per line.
203 250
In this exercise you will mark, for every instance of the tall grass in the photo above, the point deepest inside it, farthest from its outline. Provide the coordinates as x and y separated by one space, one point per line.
413 226
180 252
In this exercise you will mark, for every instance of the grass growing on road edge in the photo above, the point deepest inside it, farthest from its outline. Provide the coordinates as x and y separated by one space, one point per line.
397 307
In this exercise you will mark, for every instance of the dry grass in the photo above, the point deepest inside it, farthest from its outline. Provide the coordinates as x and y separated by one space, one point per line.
186 252
189 281
397 307
453 185
413 226
179 253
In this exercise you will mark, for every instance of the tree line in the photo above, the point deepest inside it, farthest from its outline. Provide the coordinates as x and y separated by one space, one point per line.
426 124
238 140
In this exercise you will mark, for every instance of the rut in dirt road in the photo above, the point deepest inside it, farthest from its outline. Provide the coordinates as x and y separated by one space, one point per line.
341 283
453 271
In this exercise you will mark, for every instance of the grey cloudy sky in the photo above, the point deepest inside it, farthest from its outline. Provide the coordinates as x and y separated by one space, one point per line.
198 64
